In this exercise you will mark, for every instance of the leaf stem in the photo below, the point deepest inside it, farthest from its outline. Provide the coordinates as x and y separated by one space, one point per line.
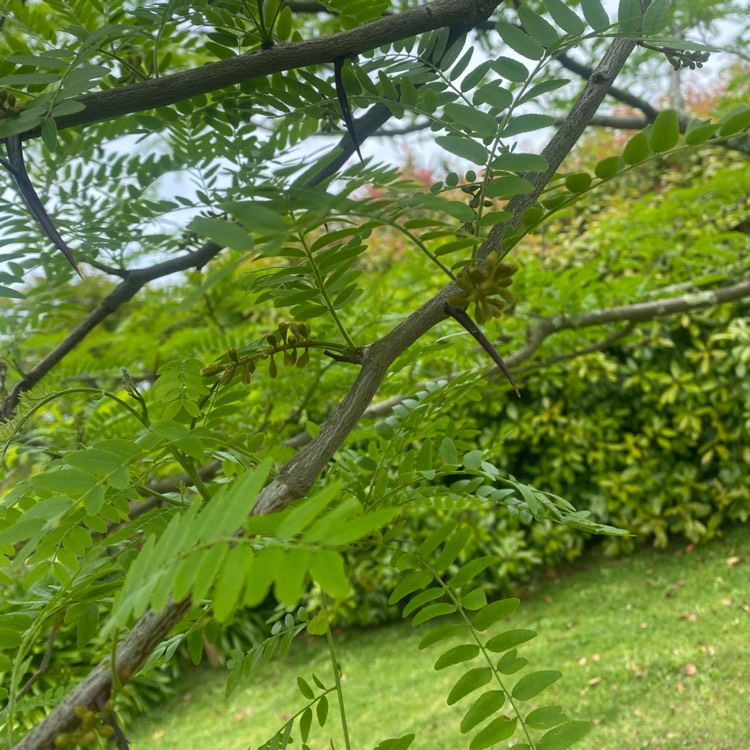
337 677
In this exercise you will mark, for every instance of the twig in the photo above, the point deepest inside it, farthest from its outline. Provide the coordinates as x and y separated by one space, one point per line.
122 293
43 665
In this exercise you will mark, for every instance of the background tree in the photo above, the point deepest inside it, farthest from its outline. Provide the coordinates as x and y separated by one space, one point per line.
155 433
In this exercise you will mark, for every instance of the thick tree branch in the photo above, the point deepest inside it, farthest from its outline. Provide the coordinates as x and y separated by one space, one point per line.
639 312
626 97
585 107
170 89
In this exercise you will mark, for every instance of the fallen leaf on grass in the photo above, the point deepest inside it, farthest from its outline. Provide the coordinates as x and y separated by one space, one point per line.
733 560
691 670
158 734
689 616
639 671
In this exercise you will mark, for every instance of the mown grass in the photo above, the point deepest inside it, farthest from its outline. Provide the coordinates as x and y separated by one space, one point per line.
654 649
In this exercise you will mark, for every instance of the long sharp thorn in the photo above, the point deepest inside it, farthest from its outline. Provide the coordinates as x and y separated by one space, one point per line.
17 169
462 317
346 113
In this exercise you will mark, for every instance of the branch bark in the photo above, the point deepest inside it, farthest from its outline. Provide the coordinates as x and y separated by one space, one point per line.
133 281
166 90
639 312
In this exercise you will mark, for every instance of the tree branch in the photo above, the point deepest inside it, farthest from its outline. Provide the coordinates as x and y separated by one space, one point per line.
170 89
132 282
618 122
629 314
636 313
626 97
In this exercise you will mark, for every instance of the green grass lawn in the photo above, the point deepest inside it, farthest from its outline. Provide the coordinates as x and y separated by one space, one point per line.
654 649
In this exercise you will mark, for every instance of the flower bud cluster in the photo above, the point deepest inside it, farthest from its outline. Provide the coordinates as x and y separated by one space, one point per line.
285 340
486 286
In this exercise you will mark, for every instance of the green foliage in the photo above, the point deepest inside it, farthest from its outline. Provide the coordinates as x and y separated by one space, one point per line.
137 490
477 620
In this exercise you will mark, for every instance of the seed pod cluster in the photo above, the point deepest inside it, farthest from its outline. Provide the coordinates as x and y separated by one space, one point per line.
8 104
286 340
92 728
486 286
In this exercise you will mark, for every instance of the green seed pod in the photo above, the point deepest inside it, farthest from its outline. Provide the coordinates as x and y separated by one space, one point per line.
273 371
229 371
232 352
283 329
245 374
211 370
290 357
11 100
271 339
303 359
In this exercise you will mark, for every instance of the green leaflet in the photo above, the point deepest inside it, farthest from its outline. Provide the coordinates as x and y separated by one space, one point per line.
666 131
509 639
468 683
530 685
496 731
545 717
595 15
495 612
519 41
487 704
565 18
537 28
457 655
565 735
463 147
222 232
629 16
656 15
